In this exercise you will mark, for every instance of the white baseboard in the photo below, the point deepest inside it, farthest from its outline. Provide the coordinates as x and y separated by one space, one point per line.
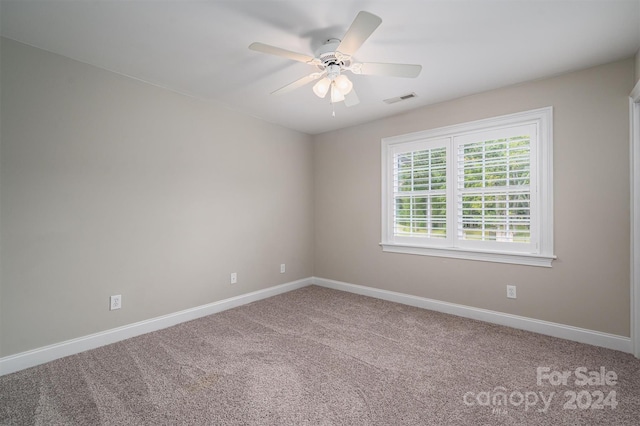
582 335
44 354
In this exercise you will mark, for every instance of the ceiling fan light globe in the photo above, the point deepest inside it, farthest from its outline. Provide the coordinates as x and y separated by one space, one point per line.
322 87
343 84
336 95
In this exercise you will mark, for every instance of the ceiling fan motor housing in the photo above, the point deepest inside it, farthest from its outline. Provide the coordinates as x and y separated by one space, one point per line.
330 57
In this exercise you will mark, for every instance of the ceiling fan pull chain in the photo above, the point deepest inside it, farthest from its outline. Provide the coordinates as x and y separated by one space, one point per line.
333 110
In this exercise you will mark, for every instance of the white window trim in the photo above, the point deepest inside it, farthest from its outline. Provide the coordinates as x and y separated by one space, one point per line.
543 119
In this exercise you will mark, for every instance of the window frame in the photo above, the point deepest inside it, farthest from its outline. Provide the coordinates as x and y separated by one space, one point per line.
541 190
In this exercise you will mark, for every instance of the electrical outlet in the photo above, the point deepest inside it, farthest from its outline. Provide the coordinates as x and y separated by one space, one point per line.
115 302
283 268
511 291
234 277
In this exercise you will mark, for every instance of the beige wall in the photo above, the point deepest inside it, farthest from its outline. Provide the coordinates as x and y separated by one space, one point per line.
588 285
113 186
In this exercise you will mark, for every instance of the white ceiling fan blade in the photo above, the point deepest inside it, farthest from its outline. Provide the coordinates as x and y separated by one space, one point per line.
390 70
272 50
359 31
351 99
299 83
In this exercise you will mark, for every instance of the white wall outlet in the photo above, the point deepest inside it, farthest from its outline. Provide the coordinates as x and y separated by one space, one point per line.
115 302
283 268
234 277
511 291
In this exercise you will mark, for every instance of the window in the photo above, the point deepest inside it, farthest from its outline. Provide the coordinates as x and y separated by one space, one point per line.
479 190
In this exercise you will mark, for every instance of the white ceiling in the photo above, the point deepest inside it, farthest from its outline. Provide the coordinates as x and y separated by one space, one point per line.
200 48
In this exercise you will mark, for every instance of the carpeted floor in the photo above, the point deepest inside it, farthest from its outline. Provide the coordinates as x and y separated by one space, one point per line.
323 357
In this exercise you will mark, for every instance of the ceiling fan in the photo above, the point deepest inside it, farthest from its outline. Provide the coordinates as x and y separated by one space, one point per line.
334 57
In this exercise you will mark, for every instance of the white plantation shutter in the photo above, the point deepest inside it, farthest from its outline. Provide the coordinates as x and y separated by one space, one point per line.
420 199
493 187
480 190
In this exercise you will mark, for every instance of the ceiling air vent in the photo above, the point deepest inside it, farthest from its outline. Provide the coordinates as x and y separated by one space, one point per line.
400 98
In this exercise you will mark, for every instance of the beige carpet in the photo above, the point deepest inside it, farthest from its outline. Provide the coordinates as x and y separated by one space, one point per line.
322 357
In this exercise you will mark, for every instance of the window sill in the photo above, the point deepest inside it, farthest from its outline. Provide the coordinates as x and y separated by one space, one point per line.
484 256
